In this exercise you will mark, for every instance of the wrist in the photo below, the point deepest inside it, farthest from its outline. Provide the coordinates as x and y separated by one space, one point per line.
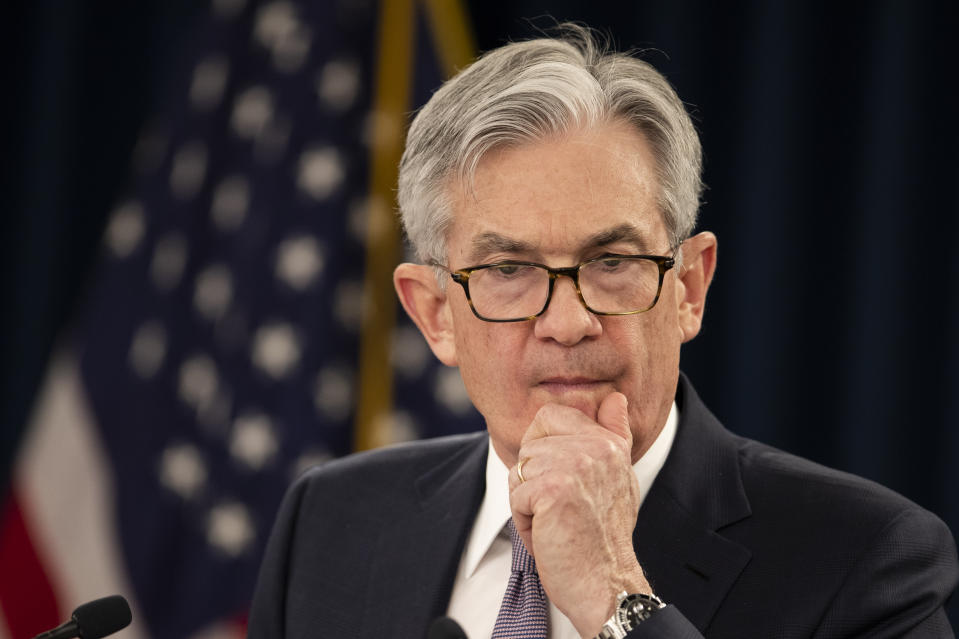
604 606
631 610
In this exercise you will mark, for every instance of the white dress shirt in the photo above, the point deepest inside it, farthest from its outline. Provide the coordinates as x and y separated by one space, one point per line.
485 565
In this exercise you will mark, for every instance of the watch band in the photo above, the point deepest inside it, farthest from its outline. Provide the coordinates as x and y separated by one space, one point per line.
631 610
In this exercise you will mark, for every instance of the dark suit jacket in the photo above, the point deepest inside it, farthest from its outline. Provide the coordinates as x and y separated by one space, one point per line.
741 539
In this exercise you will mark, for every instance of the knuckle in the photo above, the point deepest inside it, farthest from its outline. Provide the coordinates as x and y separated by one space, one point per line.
583 464
556 485
613 451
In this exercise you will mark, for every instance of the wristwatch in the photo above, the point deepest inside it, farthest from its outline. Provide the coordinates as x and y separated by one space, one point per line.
631 610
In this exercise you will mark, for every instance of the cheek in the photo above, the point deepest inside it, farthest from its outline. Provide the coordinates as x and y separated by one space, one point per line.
490 362
651 345
477 355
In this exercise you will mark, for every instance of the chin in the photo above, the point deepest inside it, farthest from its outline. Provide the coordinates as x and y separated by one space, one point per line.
583 397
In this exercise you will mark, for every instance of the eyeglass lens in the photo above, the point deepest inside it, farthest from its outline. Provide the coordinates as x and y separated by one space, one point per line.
611 285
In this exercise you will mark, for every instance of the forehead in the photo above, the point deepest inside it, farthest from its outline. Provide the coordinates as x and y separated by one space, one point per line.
561 196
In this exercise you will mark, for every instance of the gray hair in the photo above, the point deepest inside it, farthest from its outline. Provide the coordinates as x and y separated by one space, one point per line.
529 91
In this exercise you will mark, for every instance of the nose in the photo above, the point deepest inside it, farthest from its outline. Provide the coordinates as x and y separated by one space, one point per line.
566 319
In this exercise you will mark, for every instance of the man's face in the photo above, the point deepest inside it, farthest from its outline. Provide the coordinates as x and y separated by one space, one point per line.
560 202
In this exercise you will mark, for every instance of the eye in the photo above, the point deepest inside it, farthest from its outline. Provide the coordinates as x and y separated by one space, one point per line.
612 263
512 272
509 270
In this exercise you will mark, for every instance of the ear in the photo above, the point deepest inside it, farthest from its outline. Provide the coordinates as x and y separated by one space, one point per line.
695 275
427 305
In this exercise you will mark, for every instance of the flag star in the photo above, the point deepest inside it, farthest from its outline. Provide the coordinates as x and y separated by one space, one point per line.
333 393
254 442
338 84
276 349
451 392
198 381
252 110
290 50
231 202
169 260
126 229
320 172
188 170
275 21
230 528
299 261
279 29
410 353
209 81
148 349
348 304
182 470
369 218
213 291
356 217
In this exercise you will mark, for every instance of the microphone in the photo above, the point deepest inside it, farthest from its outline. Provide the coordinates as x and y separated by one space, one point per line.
445 628
93 620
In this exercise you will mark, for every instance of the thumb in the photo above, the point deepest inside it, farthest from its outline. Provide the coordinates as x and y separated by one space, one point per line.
613 415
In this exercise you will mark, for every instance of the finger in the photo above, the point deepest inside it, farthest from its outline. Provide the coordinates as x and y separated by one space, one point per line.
539 456
557 419
558 451
514 479
613 415
520 504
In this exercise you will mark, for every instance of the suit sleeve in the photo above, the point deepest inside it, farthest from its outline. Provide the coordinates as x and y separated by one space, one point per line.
899 584
668 622
268 611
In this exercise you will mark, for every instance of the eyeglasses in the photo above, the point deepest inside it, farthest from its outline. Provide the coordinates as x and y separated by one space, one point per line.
607 285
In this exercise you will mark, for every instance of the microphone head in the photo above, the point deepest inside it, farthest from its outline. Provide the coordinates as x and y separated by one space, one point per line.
445 628
102 617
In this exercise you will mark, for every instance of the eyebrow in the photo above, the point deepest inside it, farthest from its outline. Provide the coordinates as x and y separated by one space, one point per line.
621 233
490 242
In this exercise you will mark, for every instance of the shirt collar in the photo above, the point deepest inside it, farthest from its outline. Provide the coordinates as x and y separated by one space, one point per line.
494 512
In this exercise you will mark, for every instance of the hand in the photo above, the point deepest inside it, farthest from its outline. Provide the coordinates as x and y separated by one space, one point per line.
577 508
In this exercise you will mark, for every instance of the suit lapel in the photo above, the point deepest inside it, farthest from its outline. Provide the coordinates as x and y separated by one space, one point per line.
416 557
697 493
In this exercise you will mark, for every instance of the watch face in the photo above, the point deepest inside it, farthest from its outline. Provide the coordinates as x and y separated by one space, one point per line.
635 613
635 609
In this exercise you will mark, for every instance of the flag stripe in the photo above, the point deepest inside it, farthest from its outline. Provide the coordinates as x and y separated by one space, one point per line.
67 496
28 602
391 103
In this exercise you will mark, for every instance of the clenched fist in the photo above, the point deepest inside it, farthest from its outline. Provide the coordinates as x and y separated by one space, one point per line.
577 508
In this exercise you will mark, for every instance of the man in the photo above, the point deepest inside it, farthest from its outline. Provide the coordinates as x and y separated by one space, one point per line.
550 191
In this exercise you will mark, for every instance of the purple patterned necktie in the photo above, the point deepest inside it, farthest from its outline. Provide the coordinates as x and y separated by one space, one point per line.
522 614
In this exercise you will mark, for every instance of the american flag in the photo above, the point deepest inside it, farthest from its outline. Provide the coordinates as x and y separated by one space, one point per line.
237 320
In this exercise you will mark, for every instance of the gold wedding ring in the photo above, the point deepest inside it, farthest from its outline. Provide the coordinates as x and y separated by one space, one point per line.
519 470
